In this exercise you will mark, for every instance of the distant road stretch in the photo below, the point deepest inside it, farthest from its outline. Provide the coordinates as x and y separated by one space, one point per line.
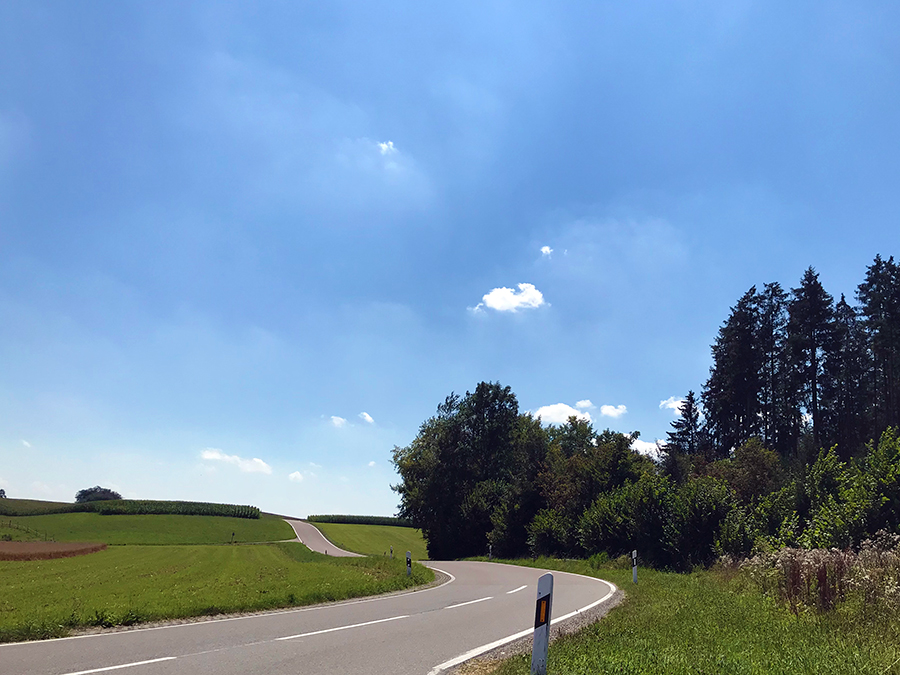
314 540
426 632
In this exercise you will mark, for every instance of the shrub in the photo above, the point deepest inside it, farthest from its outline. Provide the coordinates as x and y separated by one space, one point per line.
362 520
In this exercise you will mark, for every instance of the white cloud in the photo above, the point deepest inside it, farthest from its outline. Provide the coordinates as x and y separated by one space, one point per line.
546 250
315 466
507 300
26 443
387 148
372 463
255 465
295 477
613 411
585 404
559 413
366 417
338 421
671 403
645 448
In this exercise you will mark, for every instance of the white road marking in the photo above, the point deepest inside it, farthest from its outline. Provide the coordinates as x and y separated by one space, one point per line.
124 665
472 653
332 630
470 602
516 590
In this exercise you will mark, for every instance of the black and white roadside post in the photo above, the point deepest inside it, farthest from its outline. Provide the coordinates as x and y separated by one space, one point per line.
542 625
490 551
408 563
634 567
392 551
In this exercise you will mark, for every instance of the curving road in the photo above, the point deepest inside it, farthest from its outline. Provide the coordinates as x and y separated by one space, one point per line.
313 539
426 632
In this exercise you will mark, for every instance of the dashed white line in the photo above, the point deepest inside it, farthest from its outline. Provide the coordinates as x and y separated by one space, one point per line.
470 602
332 630
516 590
124 665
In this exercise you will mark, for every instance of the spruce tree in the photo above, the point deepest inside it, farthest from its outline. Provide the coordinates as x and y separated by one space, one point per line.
810 336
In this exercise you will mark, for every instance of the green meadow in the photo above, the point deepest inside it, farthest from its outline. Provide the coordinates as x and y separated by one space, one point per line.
703 623
376 539
154 529
130 584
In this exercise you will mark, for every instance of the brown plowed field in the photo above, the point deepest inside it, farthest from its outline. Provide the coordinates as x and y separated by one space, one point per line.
44 550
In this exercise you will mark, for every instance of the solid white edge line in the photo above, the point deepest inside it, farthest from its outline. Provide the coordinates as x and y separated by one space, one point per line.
470 602
516 590
124 665
332 630
472 653
295 610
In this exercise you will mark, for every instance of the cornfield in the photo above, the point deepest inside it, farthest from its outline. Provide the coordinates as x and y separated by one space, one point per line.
139 507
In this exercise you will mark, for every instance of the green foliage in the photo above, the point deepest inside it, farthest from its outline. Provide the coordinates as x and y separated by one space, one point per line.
96 494
671 526
551 534
753 472
362 520
31 507
130 584
151 507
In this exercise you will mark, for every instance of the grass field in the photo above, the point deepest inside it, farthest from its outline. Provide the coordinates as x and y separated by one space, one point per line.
30 507
376 539
130 584
700 623
156 529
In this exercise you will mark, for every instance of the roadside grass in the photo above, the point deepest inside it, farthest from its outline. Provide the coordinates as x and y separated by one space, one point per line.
703 623
133 584
376 539
154 529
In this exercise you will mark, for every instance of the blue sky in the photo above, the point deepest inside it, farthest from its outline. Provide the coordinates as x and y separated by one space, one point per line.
246 249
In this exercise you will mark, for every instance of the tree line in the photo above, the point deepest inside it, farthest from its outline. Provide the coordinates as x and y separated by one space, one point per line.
792 442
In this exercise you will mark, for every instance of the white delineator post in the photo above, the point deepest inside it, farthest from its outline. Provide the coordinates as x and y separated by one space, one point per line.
634 567
408 563
542 625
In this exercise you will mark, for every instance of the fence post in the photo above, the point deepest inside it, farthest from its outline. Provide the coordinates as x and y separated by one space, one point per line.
541 645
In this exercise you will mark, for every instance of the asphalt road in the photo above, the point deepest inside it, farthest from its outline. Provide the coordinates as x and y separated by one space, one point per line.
313 538
417 633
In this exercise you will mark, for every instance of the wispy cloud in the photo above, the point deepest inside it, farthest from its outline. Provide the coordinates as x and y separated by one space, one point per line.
255 465
26 443
559 413
372 463
338 421
614 411
366 417
295 477
508 300
387 148
672 403
546 251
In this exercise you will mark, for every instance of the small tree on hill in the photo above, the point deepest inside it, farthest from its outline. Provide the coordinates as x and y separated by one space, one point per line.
2 494
96 494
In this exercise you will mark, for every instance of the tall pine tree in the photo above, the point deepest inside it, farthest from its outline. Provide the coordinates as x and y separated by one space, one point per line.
731 394
810 336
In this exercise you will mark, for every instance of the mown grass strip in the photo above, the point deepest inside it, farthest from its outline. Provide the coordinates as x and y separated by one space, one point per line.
376 539
699 623
155 529
133 584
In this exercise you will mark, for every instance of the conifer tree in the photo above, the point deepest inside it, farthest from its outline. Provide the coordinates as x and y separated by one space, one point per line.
810 336
731 394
